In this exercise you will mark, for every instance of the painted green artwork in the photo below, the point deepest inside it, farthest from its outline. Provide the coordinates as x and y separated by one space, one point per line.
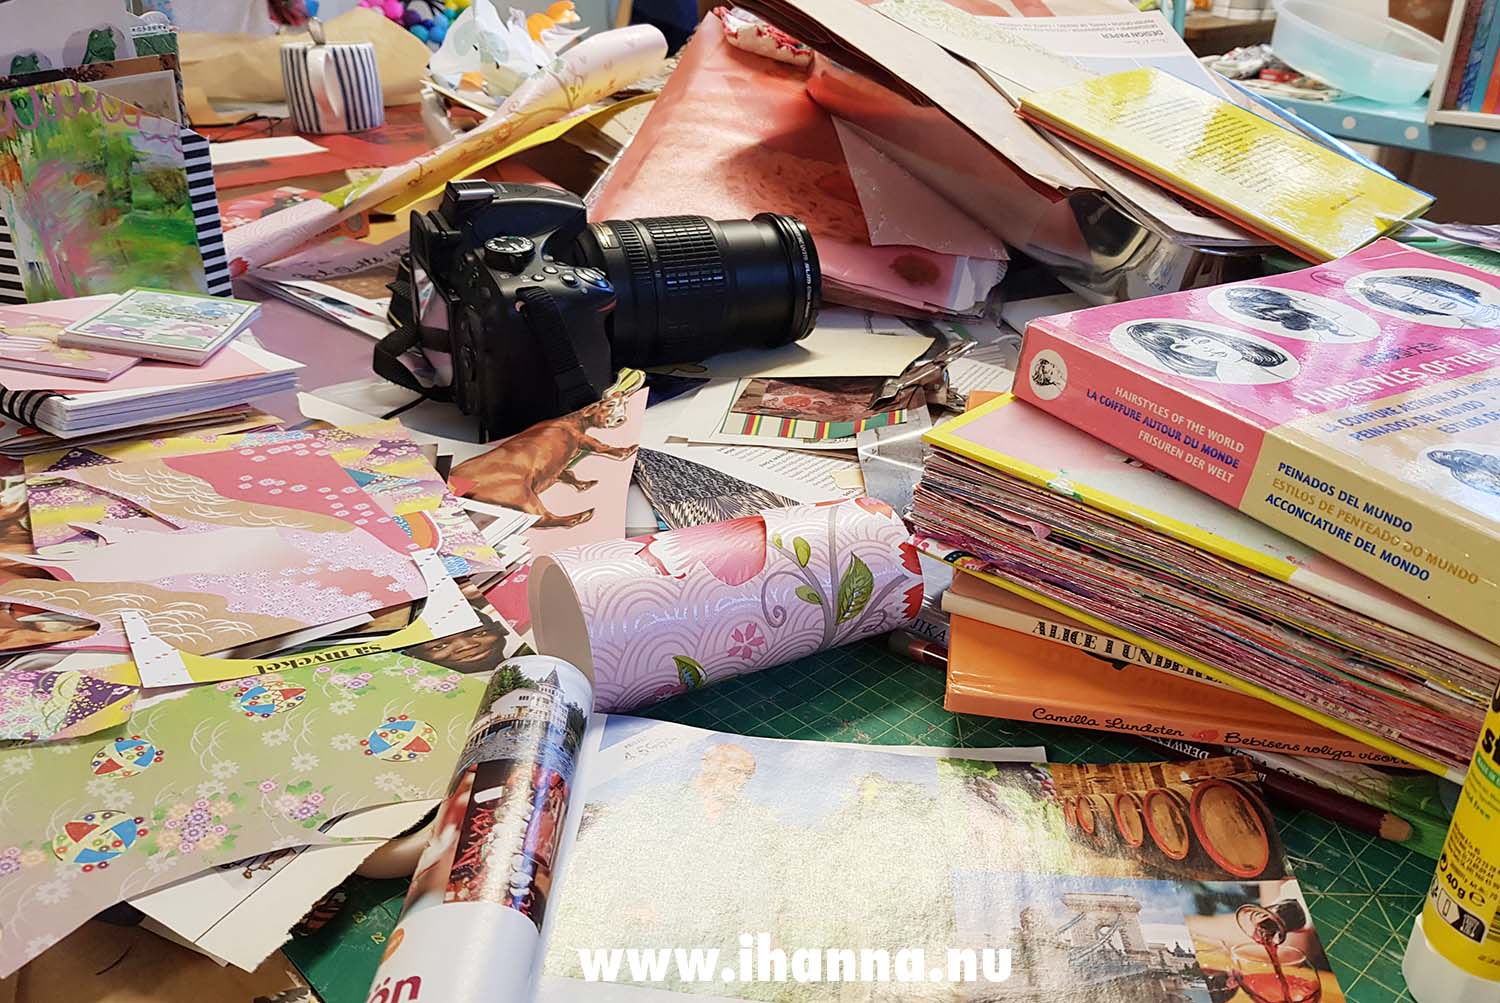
95 194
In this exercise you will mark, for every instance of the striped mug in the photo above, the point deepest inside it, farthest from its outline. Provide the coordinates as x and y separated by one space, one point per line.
332 87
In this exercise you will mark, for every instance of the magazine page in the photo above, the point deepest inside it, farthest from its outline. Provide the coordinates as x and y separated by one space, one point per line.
735 868
472 919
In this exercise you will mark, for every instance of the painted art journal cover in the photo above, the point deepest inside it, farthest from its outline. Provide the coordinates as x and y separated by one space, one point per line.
1354 406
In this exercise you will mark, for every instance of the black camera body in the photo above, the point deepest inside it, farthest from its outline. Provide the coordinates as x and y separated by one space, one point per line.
512 306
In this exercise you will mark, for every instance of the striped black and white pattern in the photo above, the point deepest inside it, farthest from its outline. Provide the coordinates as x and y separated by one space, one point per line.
351 71
204 198
11 289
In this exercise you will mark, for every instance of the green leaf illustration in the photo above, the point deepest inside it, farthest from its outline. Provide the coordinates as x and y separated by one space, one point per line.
808 595
803 550
689 672
855 589
776 540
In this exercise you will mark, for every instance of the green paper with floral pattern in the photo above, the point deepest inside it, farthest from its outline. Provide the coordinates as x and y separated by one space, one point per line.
214 775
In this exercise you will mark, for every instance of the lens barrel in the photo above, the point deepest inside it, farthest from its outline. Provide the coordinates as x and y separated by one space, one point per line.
689 287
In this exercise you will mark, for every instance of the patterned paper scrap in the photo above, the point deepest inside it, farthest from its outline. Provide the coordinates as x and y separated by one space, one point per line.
213 775
45 696
381 457
264 541
656 616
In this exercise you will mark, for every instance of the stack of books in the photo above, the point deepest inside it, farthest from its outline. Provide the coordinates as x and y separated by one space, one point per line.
98 368
1349 411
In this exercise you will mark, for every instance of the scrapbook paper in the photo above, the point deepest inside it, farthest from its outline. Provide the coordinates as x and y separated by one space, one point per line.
160 324
843 342
95 194
660 615
49 696
242 911
572 472
446 613
834 408
29 341
214 774
282 539
380 456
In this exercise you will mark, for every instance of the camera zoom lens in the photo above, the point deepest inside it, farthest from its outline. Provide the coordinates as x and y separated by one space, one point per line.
688 287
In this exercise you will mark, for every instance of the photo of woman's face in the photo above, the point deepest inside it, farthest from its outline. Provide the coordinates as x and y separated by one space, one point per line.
1201 346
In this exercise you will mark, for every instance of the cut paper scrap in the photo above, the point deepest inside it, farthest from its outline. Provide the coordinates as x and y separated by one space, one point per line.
239 913
652 617
572 472
237 549
445 613
380 457
245 767
585 74
43 697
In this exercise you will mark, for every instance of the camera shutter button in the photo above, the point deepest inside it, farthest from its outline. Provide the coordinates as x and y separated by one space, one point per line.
508 254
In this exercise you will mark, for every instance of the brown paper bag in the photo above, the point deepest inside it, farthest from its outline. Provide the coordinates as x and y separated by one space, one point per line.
245 68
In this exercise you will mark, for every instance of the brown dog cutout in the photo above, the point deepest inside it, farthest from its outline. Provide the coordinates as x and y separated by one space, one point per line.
516 472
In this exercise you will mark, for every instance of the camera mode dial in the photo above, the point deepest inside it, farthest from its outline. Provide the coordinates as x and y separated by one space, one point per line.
508 254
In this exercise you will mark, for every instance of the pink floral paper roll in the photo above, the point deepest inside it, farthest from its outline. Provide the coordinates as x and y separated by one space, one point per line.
654 616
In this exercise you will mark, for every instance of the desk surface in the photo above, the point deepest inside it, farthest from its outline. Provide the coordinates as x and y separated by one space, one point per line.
1363 892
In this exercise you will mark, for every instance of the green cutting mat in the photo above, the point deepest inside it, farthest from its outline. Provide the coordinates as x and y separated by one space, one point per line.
1363 892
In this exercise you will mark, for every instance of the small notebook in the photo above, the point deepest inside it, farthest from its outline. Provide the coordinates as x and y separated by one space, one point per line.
168 326
28 341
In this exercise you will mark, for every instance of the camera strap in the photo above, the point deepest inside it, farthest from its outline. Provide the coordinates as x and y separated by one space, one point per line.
388 365
550 331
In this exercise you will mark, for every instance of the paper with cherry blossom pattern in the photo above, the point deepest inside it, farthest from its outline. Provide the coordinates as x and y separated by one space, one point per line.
381 457
212 775
235 546
652 617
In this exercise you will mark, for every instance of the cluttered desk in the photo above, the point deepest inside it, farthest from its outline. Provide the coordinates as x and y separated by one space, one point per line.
901 500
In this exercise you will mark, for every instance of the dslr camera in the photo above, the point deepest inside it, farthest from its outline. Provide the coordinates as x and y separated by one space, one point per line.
510 304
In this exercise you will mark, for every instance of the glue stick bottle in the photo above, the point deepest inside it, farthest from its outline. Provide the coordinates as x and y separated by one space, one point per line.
1454 952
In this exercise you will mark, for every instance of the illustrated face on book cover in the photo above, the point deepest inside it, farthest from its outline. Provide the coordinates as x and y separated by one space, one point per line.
1107 884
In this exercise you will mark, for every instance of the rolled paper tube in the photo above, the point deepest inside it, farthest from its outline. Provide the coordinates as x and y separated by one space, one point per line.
472 920
651 617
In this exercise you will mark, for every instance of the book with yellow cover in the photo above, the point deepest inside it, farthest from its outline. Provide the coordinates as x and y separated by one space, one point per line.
1040 508
1273 182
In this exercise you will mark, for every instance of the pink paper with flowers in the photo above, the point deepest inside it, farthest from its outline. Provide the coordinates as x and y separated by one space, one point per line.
678 610
233 547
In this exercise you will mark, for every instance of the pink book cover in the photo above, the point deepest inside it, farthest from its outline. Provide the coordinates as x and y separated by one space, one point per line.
1354 406
28 341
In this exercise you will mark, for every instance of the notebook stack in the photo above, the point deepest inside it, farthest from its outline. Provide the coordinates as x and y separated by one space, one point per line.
1349 408
87 370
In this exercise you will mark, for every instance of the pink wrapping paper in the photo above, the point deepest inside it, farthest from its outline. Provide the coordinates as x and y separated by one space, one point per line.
655 616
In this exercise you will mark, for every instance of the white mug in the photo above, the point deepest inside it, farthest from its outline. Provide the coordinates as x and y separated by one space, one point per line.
332 87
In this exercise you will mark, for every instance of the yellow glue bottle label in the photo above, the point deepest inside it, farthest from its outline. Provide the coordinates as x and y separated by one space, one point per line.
1461 918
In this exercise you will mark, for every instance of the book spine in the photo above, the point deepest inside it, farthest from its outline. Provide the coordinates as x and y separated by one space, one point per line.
1072 636
1458 69
1380 526
962 699
1163 427
1481 56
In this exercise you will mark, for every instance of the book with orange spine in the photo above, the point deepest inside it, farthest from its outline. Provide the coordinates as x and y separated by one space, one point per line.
1000 672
